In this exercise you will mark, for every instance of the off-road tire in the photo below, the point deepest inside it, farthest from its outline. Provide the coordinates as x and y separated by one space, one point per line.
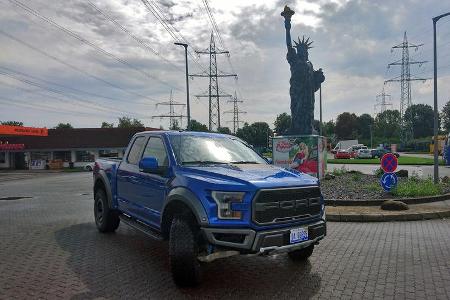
301 254
106 219
183 252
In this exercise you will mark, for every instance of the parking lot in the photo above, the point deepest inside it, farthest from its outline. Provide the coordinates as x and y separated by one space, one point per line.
50 248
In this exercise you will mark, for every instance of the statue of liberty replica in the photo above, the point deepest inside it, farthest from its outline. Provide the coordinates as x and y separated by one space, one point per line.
304 81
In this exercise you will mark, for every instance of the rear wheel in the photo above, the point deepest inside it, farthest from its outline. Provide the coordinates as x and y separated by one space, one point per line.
106 219
301 254
183 252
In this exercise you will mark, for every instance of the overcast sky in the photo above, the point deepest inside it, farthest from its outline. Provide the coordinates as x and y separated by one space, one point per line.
66 62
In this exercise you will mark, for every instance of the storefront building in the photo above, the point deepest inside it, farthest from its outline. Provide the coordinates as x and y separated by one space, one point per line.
78 147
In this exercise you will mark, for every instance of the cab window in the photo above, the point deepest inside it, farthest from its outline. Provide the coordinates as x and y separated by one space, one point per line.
135 152
155 147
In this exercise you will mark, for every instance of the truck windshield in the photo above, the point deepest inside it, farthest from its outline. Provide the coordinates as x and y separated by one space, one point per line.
190 149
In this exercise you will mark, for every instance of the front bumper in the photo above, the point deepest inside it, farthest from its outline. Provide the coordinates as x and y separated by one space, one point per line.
263 242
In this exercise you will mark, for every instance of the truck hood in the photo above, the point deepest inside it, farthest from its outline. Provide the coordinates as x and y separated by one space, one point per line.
258 175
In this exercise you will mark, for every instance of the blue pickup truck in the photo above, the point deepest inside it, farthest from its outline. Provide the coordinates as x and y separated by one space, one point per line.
211 196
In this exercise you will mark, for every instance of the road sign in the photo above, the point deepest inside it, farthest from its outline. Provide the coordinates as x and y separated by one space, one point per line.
389 163
389 181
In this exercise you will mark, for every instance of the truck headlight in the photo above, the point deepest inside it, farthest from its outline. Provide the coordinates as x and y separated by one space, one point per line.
224 201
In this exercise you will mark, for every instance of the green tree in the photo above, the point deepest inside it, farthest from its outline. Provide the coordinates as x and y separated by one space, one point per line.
175 125
445 116
346 126
197 126
421 117
387 125
328 128
127 122
12 123
365 121
224 130
282 123
63 126
255 134
107 125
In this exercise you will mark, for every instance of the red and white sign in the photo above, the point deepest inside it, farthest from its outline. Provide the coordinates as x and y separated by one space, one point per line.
389 163
12 147
21 130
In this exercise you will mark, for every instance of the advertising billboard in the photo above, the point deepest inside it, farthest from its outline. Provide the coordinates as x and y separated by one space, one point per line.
304 153
21 130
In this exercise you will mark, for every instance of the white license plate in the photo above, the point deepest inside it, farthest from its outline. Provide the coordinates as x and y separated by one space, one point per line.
298 235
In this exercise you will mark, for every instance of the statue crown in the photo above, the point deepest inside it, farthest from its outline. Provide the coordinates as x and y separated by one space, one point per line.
305 44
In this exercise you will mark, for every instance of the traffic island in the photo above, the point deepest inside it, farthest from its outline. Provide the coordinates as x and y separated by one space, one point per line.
357 213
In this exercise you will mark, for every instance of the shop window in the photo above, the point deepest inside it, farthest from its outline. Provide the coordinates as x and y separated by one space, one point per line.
2 157
85 156
65 156
108 153
40 156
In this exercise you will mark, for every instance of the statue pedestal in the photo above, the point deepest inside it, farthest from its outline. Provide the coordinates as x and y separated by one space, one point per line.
305 153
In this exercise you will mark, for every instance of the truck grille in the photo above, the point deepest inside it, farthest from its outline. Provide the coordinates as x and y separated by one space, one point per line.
286 205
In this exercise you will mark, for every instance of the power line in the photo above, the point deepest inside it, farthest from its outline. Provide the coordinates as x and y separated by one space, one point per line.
141 42
86 42
154 9
55 91
46 54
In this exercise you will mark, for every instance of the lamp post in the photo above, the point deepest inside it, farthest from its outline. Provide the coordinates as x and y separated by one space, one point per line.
187 85
436 148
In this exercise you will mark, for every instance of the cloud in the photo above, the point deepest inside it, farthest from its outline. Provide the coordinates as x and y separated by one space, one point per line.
352 42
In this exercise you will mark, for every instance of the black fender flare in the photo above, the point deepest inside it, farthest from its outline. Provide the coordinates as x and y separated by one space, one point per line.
190 200
101 176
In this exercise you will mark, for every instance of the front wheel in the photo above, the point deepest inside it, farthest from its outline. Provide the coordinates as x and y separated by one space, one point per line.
301 254
106 219
183 252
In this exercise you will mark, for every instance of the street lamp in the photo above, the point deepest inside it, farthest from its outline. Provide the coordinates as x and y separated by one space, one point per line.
187 85
436 148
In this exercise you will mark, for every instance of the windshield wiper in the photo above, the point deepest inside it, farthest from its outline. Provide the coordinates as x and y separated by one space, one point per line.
204 162
244 162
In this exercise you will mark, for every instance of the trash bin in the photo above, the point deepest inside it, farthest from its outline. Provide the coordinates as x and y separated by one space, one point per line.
71 165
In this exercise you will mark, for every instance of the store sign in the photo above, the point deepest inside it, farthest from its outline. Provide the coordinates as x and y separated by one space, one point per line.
4 147
20 130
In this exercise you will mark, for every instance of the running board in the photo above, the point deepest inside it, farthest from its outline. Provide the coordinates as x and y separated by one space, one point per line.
141 227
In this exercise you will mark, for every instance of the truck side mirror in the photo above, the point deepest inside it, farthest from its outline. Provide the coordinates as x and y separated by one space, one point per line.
149 164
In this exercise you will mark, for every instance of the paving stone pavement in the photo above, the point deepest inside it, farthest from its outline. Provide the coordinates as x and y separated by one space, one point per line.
50 248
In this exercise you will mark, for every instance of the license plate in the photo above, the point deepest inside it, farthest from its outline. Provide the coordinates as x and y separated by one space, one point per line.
298 235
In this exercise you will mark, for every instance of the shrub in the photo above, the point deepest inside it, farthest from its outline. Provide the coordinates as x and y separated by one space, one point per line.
356 176
339 172
415 187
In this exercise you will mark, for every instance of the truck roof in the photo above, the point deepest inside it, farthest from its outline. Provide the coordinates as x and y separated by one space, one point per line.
181 133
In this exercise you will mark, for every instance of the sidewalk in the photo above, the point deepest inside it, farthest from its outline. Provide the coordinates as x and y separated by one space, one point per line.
434 210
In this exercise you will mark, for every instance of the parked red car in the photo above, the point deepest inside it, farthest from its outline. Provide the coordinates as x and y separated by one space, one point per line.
341 154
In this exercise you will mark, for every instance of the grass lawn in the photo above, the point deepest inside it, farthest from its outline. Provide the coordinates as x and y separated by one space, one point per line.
402 160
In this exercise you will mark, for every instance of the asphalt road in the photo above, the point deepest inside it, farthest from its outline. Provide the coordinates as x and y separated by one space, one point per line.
51 249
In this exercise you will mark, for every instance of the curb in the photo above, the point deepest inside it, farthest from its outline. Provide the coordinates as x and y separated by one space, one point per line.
376 202
387 217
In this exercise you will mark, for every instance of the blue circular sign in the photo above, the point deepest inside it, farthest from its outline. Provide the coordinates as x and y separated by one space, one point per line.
388 181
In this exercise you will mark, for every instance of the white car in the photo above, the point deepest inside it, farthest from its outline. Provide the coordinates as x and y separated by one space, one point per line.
89 167
364 153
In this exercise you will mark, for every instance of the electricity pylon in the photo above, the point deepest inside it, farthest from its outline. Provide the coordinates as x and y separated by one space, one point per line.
235 111
405 84
173 117
213 94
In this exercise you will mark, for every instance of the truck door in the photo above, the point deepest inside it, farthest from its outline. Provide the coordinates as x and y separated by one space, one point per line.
151 188
127 178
